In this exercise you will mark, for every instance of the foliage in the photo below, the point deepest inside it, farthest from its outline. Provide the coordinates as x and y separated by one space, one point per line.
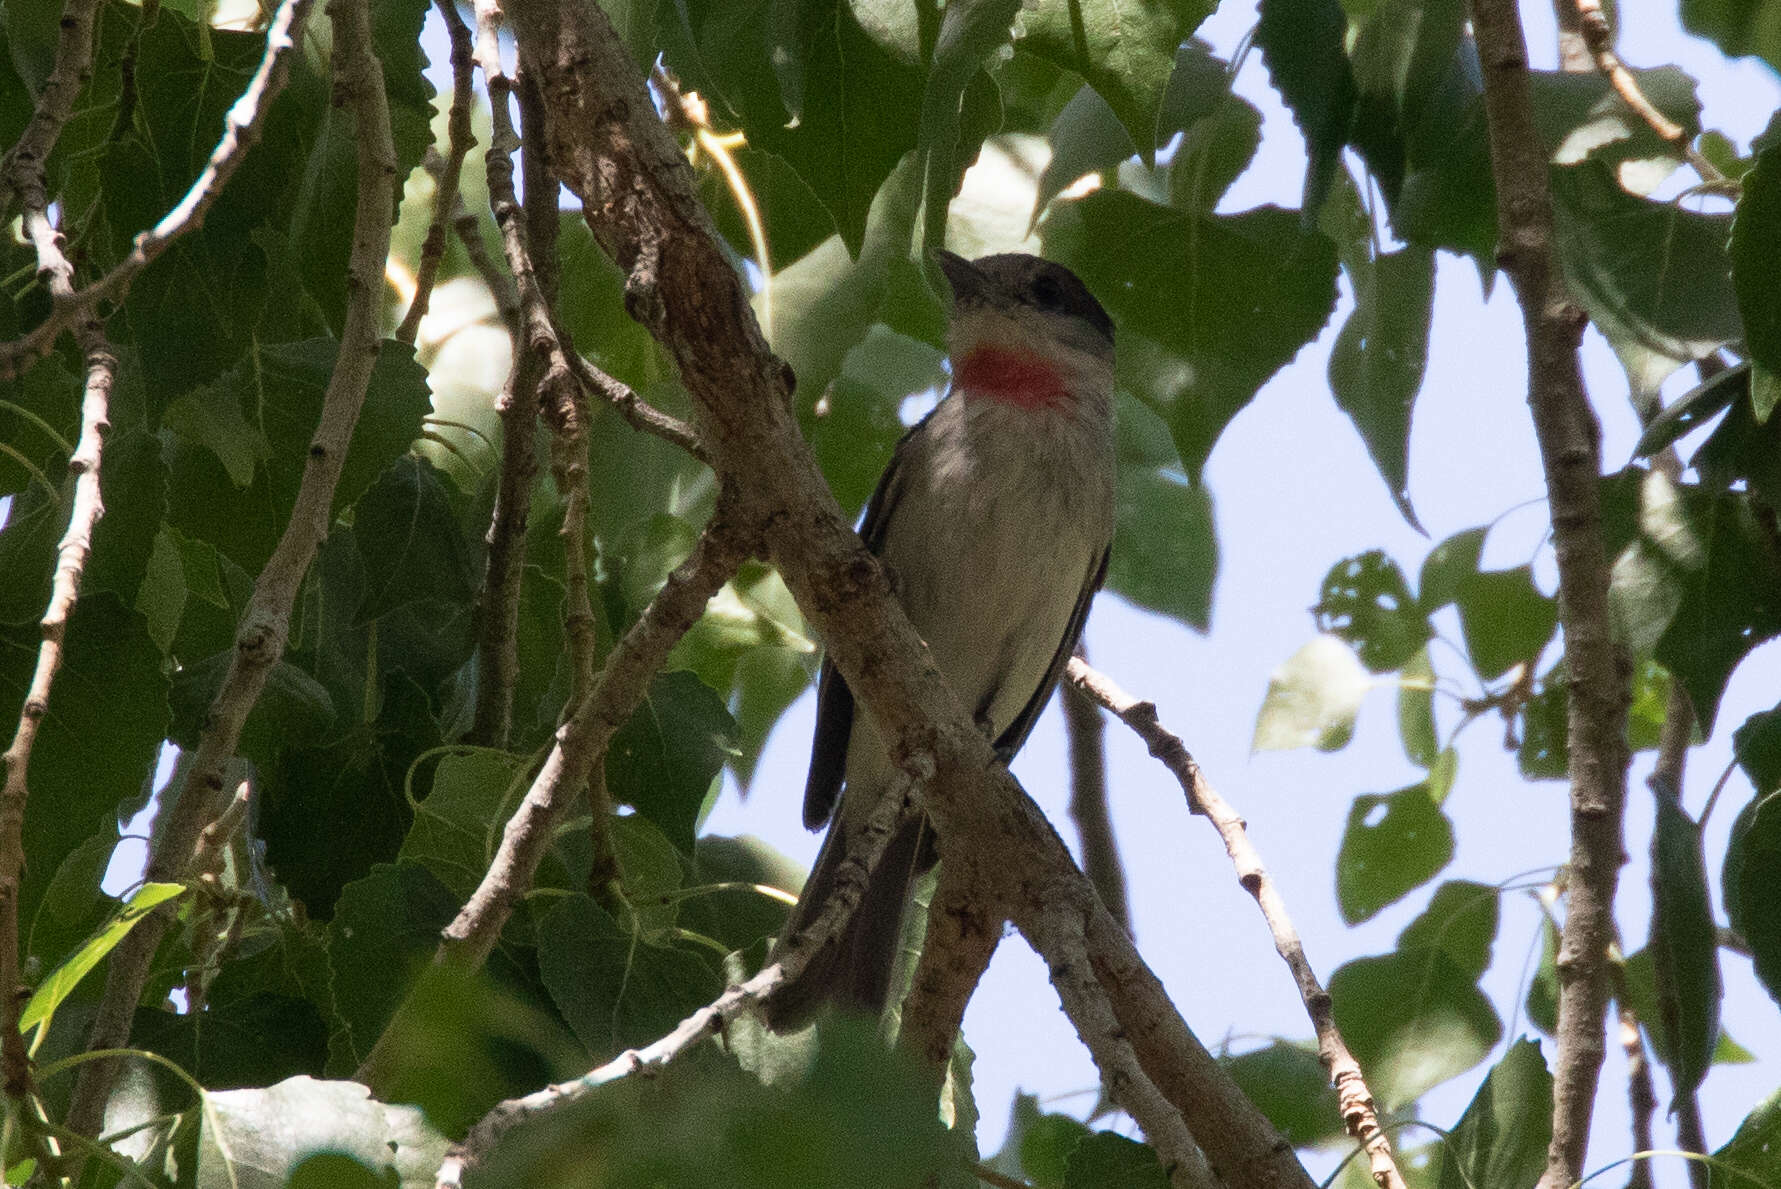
1098 132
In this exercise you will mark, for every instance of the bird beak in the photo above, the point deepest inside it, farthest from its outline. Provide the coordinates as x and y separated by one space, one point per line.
966 279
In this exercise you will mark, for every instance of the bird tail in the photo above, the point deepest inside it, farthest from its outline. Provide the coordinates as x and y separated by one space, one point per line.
853 970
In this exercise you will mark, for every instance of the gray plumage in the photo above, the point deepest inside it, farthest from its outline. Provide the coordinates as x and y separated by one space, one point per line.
995 517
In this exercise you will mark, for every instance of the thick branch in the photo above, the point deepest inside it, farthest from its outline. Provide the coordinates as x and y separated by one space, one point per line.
265 624
1570 452
459 140
639 197
789 961
1059 935
1356 1102
241 131
22 169
1087 736
964 926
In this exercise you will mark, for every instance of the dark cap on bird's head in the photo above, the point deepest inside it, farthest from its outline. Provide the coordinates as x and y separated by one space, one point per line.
1017 279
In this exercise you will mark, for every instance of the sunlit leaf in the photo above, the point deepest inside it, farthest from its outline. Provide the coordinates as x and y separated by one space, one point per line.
1394 843
61 982
1312 698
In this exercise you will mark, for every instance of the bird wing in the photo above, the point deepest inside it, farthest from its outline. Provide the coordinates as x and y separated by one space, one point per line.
1022 726
834 700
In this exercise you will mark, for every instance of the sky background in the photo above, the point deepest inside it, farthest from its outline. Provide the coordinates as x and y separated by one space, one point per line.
1296 491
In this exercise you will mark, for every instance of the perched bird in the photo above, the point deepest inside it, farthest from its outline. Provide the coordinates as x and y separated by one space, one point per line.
995 517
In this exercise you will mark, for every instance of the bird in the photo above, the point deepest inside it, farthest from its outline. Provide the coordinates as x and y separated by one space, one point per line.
995 520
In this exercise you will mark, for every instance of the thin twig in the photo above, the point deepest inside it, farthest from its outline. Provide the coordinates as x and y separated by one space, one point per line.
211 943
241 131
1359 1114
539 361
789 961
1570 452
1641 1097
265 624
581 743
1087 735
1598 37
72 552
639 412
22 168
459 140
468 228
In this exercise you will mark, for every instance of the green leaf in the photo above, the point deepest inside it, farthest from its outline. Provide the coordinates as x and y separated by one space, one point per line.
1288 1084
61 982
1394 843
1542 989
1751 884
359 777
385 929
1737 27
662 762
1654 276
1748 1160
1416 710
1413 1020
1165 542
1501 1139
971 33
255 1139
1729 606
1684 944
615 989
1312 699
1377 363
1461 922
856 83
1302 43
1755 245
1366 601
1214 152
98 743
1124 49
455 828
73 905
410 541
1046 1147
279 389
1694 409
1448 565
1105 1160
1505 618
860 1116
1229 299
1757 747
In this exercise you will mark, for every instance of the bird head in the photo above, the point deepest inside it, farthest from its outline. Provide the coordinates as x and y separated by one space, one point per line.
1026 331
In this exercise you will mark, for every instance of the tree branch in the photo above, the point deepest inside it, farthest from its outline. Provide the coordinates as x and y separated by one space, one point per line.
1059 935
898 806
964 927
241 131
1359 1115
72 552
639 197
1570 452
1088 798
1598 38
22 169
459 140
265 624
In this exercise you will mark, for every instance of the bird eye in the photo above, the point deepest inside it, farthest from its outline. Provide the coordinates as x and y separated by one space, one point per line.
1047 292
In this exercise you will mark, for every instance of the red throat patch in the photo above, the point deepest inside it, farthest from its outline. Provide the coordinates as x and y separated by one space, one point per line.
1013 377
